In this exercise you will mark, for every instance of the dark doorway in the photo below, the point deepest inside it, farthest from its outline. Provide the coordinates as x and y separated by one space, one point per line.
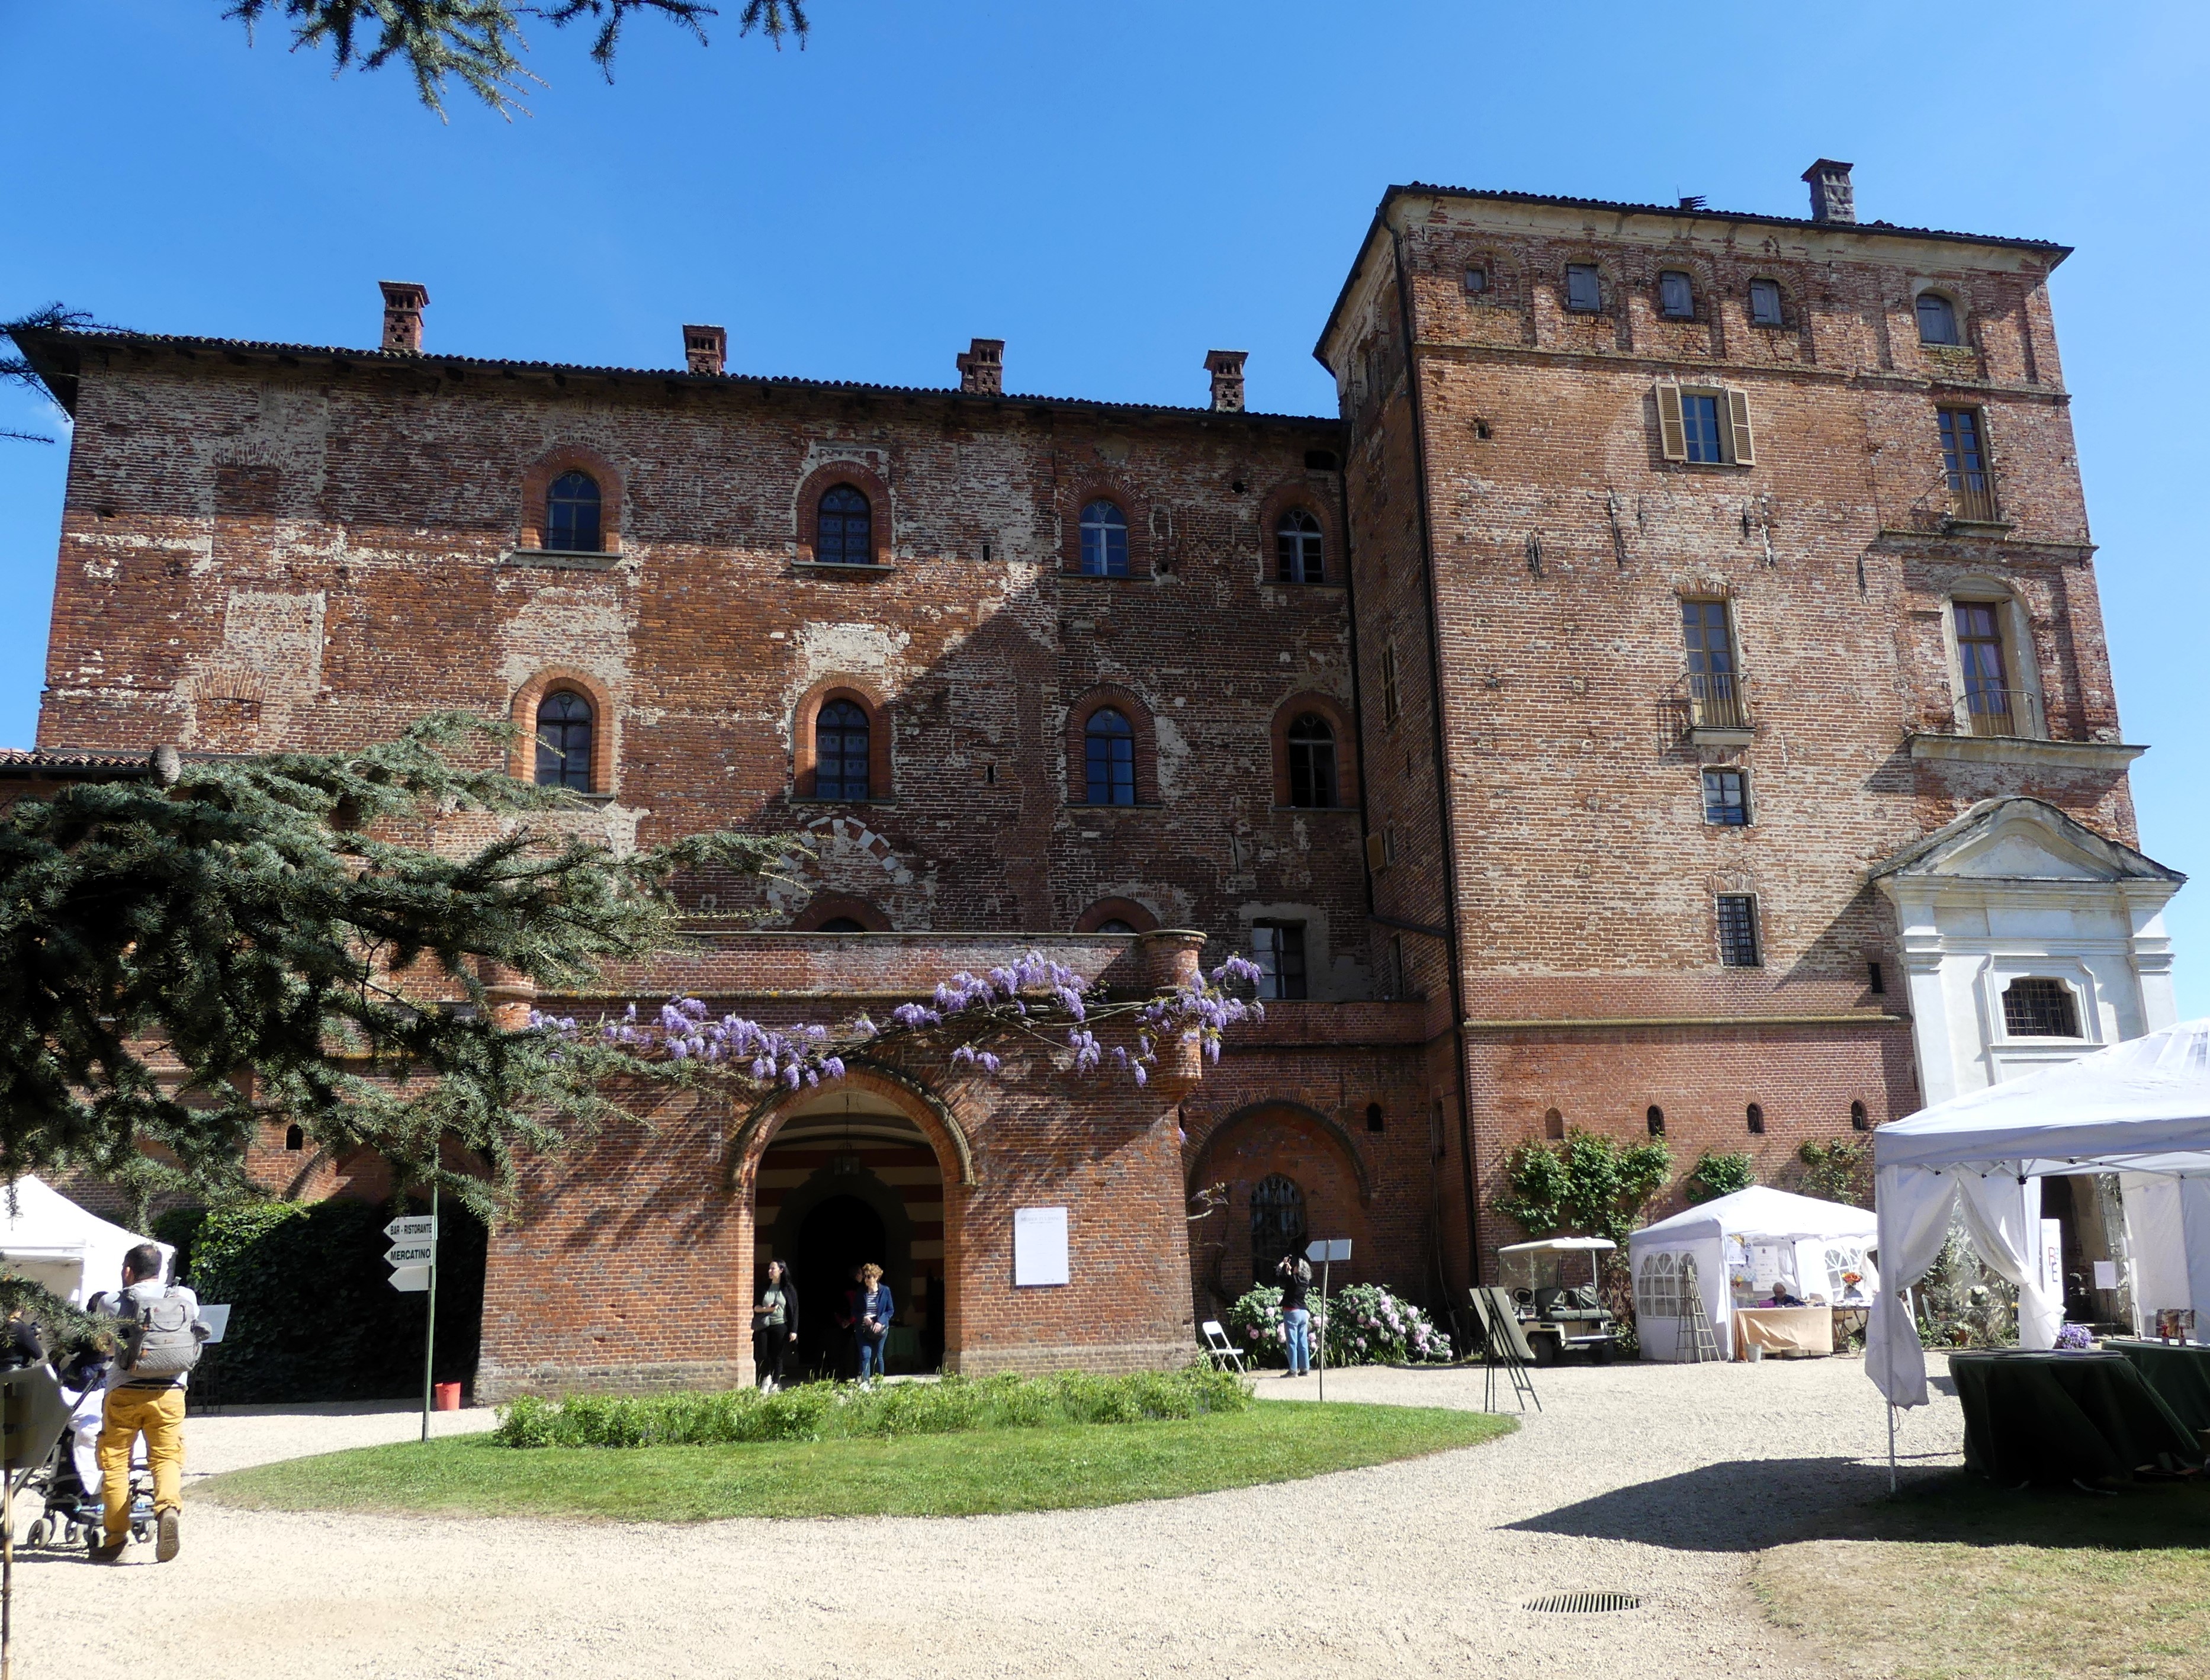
840 1233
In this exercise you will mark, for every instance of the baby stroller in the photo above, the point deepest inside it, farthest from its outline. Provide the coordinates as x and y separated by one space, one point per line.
70 1513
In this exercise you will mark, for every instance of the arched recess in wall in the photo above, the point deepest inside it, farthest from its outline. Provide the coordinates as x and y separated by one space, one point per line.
860 477
823 908
537 482
1300 496
1337 716
605 724
804 724
955 1153
1251 1114
1137 917
1139 716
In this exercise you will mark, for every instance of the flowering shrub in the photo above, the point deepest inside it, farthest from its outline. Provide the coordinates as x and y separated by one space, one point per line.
1366 1325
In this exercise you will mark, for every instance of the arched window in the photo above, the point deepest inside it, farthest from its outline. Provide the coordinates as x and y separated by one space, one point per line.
295 1139
1298 549
1655 1119
571 515
2038 1008
1756 1117
1859 1119
1113 925
1312 761
1104 541
840 924
564 740
1277 1224
1937 319
839 750
843 534
1109 747
1375 1120
1554 1124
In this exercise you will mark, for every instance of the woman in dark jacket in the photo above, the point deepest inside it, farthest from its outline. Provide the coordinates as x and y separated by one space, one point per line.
775 1327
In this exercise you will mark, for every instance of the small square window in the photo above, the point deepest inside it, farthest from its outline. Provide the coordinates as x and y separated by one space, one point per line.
1584 289
1726 798
1476 280
1278 948
1677 295
1764 303
1738 931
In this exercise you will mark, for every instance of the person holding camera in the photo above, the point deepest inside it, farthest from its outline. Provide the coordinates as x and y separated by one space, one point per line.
1296 1317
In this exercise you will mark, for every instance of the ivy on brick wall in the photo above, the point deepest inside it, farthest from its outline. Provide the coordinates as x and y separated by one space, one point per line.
1588 1183
313 1315
1719 1173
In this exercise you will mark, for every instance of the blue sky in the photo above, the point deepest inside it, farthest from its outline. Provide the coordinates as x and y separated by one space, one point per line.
1112 188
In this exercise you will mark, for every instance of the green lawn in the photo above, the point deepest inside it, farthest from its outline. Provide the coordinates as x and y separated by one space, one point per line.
1958 1580
967 1474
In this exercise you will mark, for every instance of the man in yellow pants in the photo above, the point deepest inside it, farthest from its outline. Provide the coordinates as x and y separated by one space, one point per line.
158 1337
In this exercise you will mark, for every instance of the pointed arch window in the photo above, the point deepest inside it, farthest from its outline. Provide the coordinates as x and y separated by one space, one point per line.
564 740
1298 549
572 509
1312 762
840 752
1110 751
844 531
1104 541
1277 1224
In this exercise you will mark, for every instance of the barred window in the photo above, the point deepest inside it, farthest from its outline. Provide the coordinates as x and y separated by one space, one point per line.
1278 1226
1738 931
2040 1008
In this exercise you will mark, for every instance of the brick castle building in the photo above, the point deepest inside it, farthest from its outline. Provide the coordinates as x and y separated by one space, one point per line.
1670 698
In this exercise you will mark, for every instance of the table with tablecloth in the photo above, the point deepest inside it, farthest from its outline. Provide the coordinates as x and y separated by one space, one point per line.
2179 1372
2062 1416
1782 1330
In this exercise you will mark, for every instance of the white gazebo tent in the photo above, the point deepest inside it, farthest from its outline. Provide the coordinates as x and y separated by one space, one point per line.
2141 1108
73 1252
1808 1242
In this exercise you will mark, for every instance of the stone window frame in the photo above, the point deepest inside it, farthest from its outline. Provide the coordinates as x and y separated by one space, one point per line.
537 483
1299 496
1130 706
881 784
830 906
1137 914
1142 557
2022 655
1997 976
1346 749
881 514
521 712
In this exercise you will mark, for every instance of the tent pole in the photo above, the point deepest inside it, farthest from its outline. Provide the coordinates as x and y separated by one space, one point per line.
1891 1446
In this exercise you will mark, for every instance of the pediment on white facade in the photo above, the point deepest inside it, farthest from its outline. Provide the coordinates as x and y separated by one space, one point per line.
2020 839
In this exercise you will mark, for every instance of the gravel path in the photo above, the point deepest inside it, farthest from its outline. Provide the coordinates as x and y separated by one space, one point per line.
1660 1480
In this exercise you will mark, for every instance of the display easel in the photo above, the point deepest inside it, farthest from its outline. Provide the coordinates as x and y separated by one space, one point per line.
1699 1344
1502 1347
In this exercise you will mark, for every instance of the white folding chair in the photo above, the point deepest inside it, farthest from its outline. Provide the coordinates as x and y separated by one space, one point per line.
1223 1353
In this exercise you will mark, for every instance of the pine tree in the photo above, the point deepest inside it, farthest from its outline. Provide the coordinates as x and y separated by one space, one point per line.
479 42
186 955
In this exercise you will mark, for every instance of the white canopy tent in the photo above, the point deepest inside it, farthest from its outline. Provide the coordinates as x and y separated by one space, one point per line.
1759 1231
48 1238
2141 1108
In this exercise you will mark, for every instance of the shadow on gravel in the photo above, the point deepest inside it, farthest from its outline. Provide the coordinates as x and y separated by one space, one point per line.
1753 1504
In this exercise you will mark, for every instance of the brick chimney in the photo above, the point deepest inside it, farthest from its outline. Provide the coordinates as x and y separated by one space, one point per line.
403 303
1226 367
1832 198
982 367
705 349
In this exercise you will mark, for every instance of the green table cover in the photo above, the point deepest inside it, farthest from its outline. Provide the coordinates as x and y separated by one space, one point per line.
2179 1372
2064 1416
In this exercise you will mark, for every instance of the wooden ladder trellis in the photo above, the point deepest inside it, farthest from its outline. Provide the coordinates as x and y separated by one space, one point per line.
1698 1345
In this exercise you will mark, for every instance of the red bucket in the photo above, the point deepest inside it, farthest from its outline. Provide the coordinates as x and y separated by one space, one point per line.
448 1395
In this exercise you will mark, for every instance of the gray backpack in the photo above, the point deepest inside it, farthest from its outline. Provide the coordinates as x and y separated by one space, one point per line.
159 1338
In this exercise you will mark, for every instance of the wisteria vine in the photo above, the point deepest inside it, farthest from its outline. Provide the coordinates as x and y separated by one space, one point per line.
1035 998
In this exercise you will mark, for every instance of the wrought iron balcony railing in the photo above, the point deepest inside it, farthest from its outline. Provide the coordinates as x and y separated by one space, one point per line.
1716 700
2012 712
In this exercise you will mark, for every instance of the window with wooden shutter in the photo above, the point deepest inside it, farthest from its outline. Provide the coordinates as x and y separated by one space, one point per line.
1745 447
1672 436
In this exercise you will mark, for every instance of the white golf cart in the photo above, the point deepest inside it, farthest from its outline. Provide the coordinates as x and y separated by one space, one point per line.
1556 1294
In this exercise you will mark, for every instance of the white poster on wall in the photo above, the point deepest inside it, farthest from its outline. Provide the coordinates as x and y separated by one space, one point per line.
1039 1247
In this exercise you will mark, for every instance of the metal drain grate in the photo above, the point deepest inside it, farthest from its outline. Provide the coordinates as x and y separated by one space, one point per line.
1584 1604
